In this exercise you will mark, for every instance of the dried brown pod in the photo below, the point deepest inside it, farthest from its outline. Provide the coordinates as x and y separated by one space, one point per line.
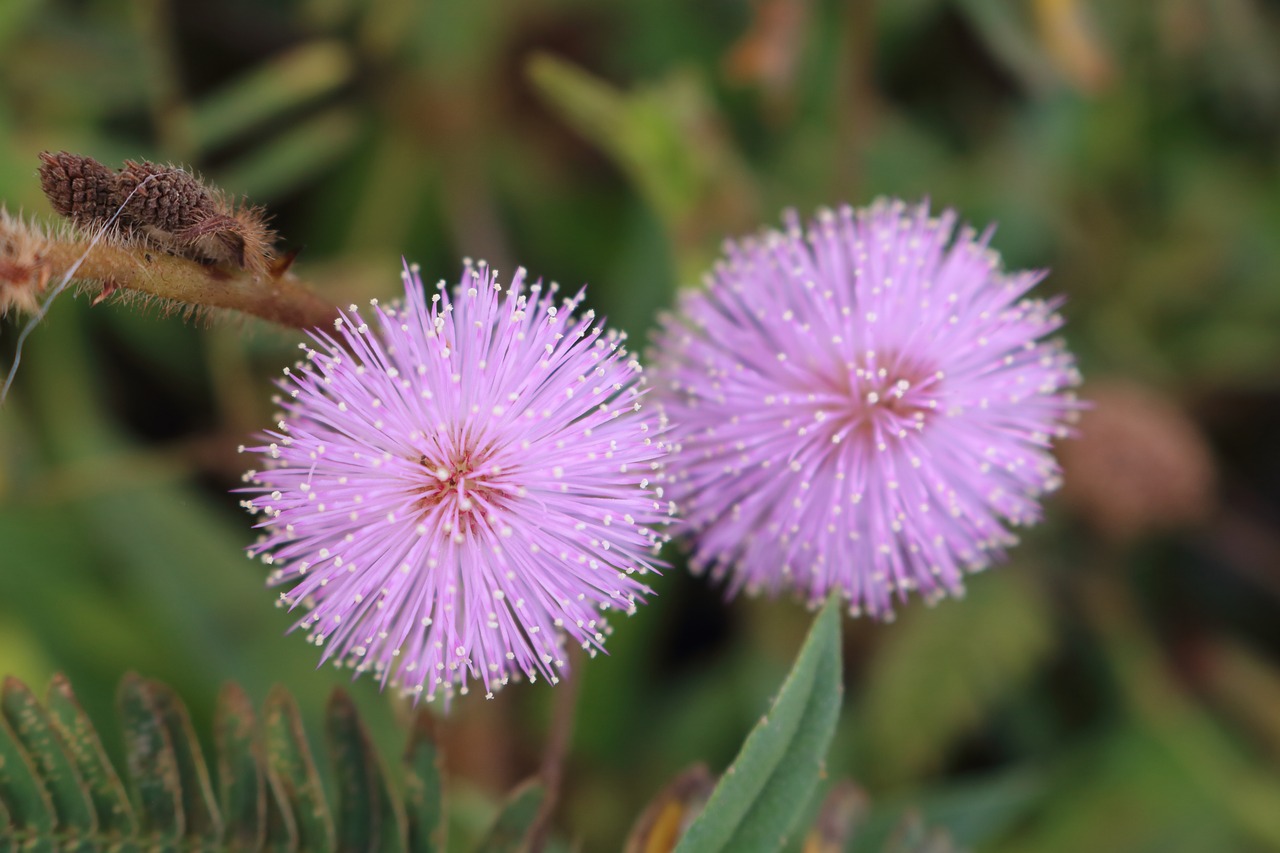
79 188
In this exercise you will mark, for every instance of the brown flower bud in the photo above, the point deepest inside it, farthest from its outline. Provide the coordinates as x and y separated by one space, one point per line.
1139 463
79 188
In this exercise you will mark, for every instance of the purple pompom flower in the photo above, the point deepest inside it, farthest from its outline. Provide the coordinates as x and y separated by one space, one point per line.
862 406
454 492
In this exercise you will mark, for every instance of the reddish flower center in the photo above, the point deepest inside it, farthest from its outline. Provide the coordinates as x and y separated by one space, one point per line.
881 397
465 483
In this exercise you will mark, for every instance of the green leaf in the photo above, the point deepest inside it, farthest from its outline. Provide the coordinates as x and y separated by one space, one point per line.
294 157
289 760
511 827
939 669
424 790
762 794
114 816
201 820
153 764
367 815
242 782
669 140
30 809
67 791
281 84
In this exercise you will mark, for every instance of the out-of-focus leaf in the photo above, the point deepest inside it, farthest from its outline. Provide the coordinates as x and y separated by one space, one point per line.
669 141
294 157
153 765
842 810
975 814
289 759
67 791
940 668
1249 687
913 836
14 15
424 789
279 85
1222 781
242 782
1071 39
669 814
114 816
763 792
1124 791
368 817
201 820
1007 33
30 810
510 828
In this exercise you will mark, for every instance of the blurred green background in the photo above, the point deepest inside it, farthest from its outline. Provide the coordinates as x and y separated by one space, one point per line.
1115 687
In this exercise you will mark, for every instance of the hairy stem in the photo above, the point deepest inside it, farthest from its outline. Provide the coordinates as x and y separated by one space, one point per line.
30 260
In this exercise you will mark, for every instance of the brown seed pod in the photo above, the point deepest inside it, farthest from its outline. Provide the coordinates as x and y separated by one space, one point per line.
79 188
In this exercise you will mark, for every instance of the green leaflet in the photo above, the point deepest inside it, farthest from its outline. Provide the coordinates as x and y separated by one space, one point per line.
511 827
368 817
114 817
67 793
762 794
424 791
242 780
289 757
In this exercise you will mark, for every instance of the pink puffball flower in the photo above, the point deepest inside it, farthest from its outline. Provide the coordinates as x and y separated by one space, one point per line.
864 406
459 485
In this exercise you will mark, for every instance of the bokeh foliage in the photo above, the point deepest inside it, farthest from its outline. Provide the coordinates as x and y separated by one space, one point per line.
1101 692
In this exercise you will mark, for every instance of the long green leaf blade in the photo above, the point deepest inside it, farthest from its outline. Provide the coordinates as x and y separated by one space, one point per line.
761 795
367 814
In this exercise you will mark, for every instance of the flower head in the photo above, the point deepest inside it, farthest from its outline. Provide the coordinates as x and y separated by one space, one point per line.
454 491
862 406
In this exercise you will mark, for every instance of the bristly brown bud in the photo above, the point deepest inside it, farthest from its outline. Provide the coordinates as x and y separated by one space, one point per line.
165 206
79 188
178 212
164 199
